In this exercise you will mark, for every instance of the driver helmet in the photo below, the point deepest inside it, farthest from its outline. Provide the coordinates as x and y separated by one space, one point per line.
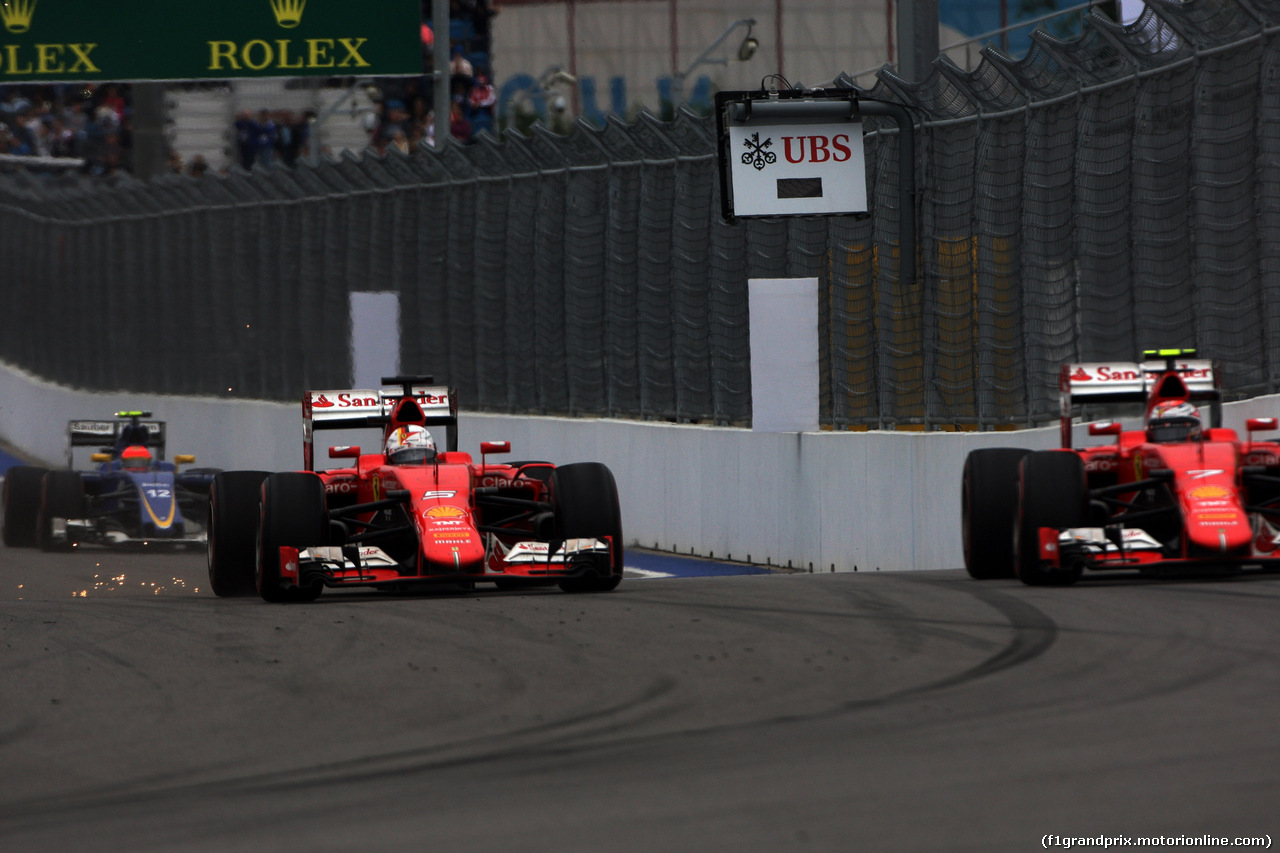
408 445
136 458
1174 421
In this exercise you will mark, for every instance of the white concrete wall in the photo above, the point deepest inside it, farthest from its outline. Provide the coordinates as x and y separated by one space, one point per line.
874 500
221 433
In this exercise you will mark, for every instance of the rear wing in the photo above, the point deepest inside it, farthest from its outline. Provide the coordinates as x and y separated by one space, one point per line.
103 435
1134 382
359 408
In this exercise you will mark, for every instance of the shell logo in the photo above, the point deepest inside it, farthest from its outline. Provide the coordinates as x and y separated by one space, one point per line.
445 512
1205 493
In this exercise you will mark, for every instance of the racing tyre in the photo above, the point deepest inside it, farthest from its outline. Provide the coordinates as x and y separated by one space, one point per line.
231 541
1053 493
61 496
989 509
22 489
584 500
293 513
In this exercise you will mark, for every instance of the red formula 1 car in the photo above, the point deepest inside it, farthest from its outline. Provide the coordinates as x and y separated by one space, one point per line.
410 515
1175 497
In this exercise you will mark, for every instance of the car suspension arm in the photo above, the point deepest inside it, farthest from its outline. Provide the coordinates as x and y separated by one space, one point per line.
1254 475
395 497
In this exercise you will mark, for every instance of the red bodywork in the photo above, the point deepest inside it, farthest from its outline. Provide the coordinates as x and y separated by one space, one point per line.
1195 504
447 520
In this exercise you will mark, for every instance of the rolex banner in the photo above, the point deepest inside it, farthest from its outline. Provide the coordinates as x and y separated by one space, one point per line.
123 40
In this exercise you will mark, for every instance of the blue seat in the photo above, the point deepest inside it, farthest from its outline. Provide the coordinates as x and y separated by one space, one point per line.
460 30
481 120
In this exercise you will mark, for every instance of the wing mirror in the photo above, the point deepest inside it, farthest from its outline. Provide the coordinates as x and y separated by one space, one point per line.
488 447
184 459
1105 428
100 457
344 451
1261 424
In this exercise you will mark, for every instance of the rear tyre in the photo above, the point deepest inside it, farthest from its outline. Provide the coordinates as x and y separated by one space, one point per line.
22 490
231 543
584 500
61 496
989 510
293 514
1053 493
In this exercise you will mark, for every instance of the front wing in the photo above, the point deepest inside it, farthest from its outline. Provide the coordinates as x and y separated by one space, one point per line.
1100 549
114 519
368 565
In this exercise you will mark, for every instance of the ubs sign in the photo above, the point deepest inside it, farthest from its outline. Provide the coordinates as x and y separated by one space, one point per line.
791 158
87 40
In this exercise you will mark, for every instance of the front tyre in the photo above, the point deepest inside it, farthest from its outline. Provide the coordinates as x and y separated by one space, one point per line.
989 510
231 544
293 514
22 490
1052 493
61 496
584 500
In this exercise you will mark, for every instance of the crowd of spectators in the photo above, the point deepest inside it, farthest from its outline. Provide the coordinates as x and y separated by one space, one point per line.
406 113
86 123
272 137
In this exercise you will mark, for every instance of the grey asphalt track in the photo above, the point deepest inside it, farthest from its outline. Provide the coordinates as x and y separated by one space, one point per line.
912 711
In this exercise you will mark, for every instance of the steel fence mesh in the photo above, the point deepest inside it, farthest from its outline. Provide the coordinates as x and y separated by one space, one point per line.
1099 196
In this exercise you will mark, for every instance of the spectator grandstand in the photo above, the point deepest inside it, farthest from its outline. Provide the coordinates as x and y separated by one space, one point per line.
80 126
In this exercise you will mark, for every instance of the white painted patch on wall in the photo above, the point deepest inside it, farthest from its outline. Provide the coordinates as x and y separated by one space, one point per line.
1131 10
375 337
784 354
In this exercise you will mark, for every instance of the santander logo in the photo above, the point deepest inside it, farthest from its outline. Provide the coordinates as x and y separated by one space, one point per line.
322 402
1110 374
1081 375
350 401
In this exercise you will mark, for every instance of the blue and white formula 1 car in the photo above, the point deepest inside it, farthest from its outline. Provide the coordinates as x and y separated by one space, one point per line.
133 497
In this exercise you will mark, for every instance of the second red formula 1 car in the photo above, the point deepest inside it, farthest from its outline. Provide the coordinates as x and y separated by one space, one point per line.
1177 496
409 514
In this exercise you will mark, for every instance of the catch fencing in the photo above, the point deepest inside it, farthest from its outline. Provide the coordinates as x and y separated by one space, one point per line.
1097 197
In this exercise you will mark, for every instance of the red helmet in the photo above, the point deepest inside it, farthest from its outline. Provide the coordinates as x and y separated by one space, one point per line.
136 458
1174 420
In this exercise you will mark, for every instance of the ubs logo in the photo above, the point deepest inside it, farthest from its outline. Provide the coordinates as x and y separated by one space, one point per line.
757 155
797 149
